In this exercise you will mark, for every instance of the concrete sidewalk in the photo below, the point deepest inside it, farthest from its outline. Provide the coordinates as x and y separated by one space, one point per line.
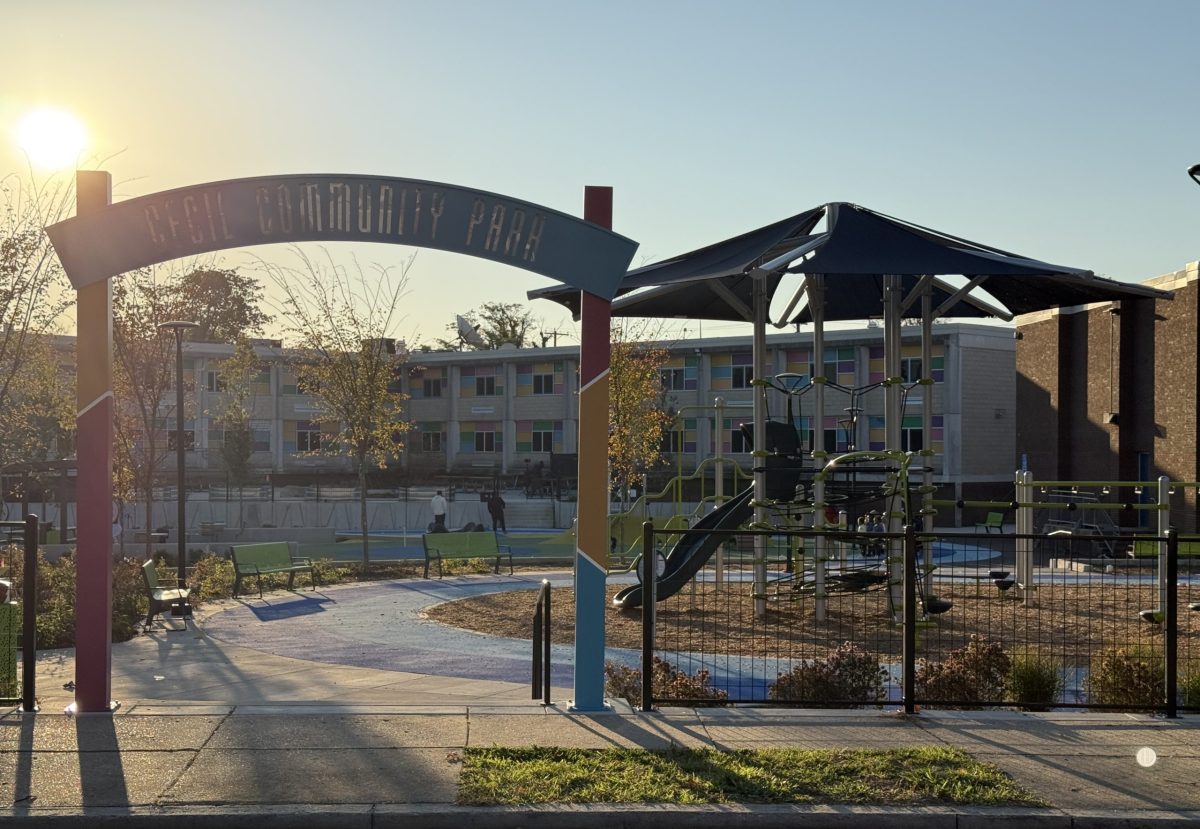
214 734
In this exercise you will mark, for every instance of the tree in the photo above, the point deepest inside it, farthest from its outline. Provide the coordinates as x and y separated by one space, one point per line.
143 373
637 411
498 323
224 302
341 321
33 297
234 381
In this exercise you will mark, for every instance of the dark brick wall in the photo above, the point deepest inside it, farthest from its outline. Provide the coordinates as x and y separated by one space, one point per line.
1175 380
1038 397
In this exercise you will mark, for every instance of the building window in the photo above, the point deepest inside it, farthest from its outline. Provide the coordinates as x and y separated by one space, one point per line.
912 440
910 369
543 384
308 436
485 441
432 387
673 379
213 381
672 441
431 441
738 442
543 441
189 440
485 386
260 436
743 371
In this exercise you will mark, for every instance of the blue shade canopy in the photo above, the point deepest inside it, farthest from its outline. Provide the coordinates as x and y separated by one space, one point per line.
855 250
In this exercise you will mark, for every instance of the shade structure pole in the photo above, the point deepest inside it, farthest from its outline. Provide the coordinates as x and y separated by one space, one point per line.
816 304
892 287
94 484
759 358
591 531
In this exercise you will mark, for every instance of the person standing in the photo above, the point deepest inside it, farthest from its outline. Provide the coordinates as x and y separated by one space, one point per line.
438 503
496 505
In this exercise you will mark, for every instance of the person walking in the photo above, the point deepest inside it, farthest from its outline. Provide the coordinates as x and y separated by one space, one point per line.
496 505
438 503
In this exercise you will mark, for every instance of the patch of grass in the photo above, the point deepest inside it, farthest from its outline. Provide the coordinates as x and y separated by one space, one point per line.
923 776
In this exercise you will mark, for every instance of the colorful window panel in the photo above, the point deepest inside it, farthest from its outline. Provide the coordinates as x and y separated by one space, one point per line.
428 437
839 366
937 367
798 361
419 382
721 371
686 428
468 430
288 381
839 425
729 427
292 443
527 371
687 366
468 375
937 430
527 428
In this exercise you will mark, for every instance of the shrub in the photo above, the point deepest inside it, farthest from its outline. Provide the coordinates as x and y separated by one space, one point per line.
972 674
1035 681
1189 690
212 578
466 566
845 674
666 682
129 602
1126 676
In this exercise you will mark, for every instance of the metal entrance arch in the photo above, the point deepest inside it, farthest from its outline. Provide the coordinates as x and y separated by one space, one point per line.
106 239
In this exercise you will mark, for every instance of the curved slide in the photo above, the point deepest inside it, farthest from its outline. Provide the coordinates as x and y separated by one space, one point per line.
693 550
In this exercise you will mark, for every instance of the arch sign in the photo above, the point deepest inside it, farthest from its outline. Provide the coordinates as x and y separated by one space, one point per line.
329 208
106 239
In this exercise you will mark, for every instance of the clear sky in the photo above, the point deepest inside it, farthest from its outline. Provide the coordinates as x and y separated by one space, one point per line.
1058 130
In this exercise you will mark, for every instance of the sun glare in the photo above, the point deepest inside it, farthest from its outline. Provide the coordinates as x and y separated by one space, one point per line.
51 138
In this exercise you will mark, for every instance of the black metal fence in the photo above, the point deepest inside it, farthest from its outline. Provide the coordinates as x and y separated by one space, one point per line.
934 619
17 606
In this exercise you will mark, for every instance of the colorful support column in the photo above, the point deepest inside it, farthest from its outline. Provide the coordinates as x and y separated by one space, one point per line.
591 529
94 486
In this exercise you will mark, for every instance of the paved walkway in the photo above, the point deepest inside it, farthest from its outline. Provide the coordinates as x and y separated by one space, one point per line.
216 732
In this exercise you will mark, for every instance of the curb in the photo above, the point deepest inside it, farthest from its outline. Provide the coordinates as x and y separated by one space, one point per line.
608 816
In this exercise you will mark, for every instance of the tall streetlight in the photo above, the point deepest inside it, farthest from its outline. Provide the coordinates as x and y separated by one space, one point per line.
183 608
1194 172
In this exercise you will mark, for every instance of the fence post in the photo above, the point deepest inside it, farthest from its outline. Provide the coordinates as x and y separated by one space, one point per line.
537 642
29 616
546 643
649 600
909 653
1171 624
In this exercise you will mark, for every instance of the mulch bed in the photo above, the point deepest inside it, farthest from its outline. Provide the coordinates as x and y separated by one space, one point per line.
1069 621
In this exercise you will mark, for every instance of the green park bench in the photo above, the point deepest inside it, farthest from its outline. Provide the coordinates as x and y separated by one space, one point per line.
441 546
994 521
260 560
1148 548
161 598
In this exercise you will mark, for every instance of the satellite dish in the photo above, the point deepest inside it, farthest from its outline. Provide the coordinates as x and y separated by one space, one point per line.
467 332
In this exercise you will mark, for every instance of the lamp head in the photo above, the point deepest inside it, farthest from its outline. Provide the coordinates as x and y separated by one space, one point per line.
1194 172
178 326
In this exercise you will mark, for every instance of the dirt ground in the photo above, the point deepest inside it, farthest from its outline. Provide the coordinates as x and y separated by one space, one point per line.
1071 621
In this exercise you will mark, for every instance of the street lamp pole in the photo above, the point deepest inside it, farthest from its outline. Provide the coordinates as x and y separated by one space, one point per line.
183 608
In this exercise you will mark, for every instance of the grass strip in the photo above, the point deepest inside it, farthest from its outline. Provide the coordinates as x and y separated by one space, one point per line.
922 776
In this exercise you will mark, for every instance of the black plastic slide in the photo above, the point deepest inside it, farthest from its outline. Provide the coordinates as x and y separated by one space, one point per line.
693 550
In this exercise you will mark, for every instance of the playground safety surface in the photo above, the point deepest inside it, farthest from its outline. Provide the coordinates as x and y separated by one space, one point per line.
212 731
